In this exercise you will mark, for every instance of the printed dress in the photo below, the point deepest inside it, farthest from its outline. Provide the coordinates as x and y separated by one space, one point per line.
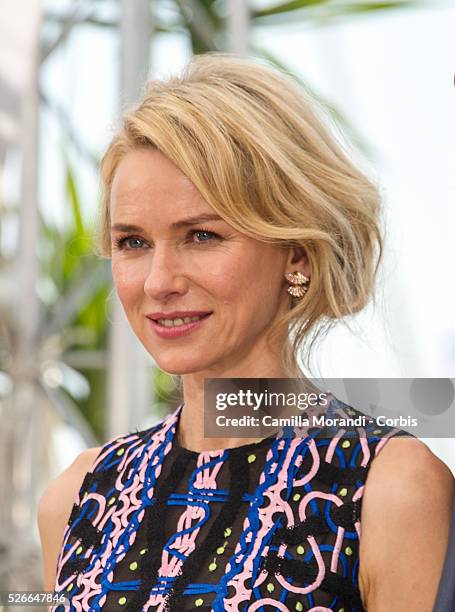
268 526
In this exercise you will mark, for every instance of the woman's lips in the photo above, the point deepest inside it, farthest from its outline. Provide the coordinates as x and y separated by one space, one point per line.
178 330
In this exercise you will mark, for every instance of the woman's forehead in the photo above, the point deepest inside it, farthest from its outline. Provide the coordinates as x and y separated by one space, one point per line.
145 180
150 170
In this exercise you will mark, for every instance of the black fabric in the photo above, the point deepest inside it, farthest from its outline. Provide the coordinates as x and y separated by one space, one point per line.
445 599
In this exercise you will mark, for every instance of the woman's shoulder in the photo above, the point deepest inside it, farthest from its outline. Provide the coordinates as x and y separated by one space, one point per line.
405 516
55 506
65 487
406 475
91 464
405 472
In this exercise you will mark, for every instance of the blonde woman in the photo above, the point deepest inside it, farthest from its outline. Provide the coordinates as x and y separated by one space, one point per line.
236 226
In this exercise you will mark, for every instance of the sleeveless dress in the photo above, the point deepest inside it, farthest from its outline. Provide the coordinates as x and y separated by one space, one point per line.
273 525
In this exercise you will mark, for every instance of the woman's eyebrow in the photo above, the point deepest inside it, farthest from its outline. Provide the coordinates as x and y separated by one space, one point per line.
125 227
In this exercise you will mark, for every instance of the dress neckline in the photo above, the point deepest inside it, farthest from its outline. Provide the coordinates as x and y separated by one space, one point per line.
247 448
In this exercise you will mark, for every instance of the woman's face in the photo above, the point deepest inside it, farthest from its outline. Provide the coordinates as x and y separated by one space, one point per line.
168 257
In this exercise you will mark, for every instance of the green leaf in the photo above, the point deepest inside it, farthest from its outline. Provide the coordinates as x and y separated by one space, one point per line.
74 200
287 7
308 9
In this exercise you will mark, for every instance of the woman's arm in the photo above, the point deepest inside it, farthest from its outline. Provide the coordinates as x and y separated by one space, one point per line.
405 519
54 510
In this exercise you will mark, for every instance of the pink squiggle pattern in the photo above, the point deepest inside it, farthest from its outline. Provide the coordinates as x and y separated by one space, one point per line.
365 448
105 451
186 543
366 458
268 601
314 468
313 544
89 583
337 549
384 441
333 444
265 517
320 575
302 508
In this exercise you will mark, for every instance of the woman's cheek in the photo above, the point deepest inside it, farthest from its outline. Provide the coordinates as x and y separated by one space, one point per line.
126 280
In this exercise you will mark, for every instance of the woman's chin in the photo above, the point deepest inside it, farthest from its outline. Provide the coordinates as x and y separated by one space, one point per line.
178 367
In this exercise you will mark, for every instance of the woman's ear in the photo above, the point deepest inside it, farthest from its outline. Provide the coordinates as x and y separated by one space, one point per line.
298 261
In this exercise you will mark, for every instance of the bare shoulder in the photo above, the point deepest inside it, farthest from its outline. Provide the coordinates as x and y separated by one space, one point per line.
406 512
406 471
404 455
62 491
55 506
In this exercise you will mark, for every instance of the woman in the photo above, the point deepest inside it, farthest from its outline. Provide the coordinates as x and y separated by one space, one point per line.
236 226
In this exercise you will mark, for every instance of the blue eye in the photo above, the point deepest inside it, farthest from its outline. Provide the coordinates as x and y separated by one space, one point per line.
121 242
212 235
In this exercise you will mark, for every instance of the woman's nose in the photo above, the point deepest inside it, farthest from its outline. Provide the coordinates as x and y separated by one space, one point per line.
164 274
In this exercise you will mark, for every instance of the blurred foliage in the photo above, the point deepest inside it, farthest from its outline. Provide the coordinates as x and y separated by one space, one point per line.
78 286
78 319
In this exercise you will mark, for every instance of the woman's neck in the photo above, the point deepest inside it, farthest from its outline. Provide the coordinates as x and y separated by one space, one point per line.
190 431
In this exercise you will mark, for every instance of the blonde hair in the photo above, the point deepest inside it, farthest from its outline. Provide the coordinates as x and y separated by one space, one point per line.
252 141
